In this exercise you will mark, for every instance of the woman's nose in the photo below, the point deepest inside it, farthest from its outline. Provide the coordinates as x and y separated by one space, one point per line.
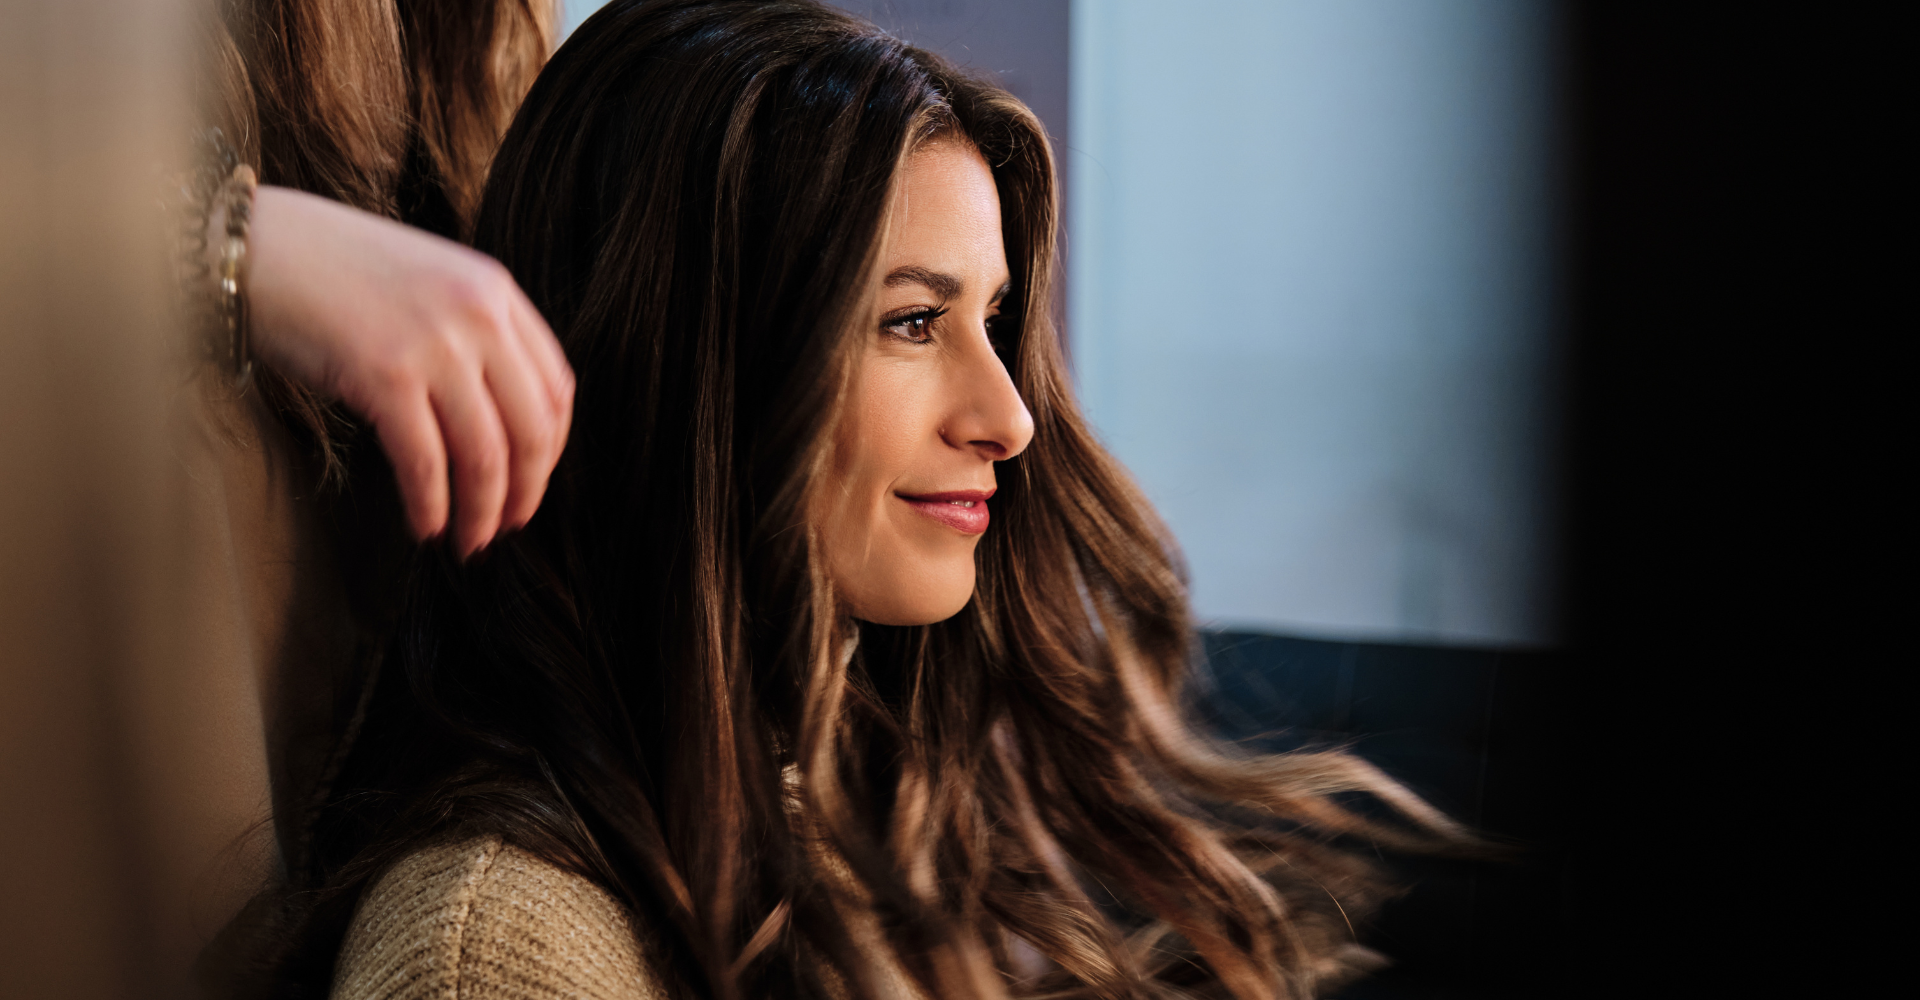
991 419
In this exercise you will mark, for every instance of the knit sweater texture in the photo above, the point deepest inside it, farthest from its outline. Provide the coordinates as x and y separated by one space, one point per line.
484 920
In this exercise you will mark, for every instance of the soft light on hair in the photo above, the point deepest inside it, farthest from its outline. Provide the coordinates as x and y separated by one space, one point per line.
654 686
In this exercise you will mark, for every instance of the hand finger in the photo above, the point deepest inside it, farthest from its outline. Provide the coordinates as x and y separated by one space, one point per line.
557 374
410 434
545 352
477 450
529 420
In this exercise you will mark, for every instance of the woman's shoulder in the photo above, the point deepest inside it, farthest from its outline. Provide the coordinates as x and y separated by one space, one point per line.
485 920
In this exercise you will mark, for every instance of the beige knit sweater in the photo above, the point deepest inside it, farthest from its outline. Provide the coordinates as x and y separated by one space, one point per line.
483 920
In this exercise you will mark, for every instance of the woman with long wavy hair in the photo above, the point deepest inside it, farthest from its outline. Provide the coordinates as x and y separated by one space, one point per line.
841 660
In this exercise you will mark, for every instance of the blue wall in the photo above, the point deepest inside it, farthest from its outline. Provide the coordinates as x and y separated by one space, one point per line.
572 12
1312 306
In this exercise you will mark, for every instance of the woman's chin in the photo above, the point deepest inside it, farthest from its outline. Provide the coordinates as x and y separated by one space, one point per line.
922 602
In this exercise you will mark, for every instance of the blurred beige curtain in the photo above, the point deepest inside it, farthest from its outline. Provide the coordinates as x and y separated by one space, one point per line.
143 528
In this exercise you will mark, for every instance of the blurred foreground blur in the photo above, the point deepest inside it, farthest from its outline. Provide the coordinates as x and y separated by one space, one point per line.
132 771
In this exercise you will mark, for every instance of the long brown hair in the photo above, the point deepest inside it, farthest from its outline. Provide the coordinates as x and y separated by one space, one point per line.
347 98
654 686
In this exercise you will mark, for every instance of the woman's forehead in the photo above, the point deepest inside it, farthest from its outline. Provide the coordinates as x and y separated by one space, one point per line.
944 231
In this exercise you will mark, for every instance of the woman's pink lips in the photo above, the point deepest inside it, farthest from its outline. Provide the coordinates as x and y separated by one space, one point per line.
964 511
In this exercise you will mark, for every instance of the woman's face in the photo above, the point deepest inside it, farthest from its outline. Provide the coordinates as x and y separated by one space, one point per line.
931 408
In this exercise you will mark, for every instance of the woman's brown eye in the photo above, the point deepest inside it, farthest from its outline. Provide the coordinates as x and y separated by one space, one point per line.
916 327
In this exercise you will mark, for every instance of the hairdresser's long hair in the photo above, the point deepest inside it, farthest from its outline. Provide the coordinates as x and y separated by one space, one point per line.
392 106
654 686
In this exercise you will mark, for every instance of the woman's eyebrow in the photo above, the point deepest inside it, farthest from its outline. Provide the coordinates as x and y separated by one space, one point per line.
945 286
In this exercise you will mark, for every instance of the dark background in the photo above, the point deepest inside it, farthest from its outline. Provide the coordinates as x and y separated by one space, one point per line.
1478 733
1699 772
1731 467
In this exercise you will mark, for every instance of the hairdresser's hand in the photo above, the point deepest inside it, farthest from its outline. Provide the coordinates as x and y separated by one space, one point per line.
430 341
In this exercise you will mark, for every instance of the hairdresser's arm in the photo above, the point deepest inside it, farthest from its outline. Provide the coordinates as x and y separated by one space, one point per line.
430 341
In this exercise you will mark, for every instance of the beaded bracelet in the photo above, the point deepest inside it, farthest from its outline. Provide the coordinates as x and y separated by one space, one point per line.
231 274
214 288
